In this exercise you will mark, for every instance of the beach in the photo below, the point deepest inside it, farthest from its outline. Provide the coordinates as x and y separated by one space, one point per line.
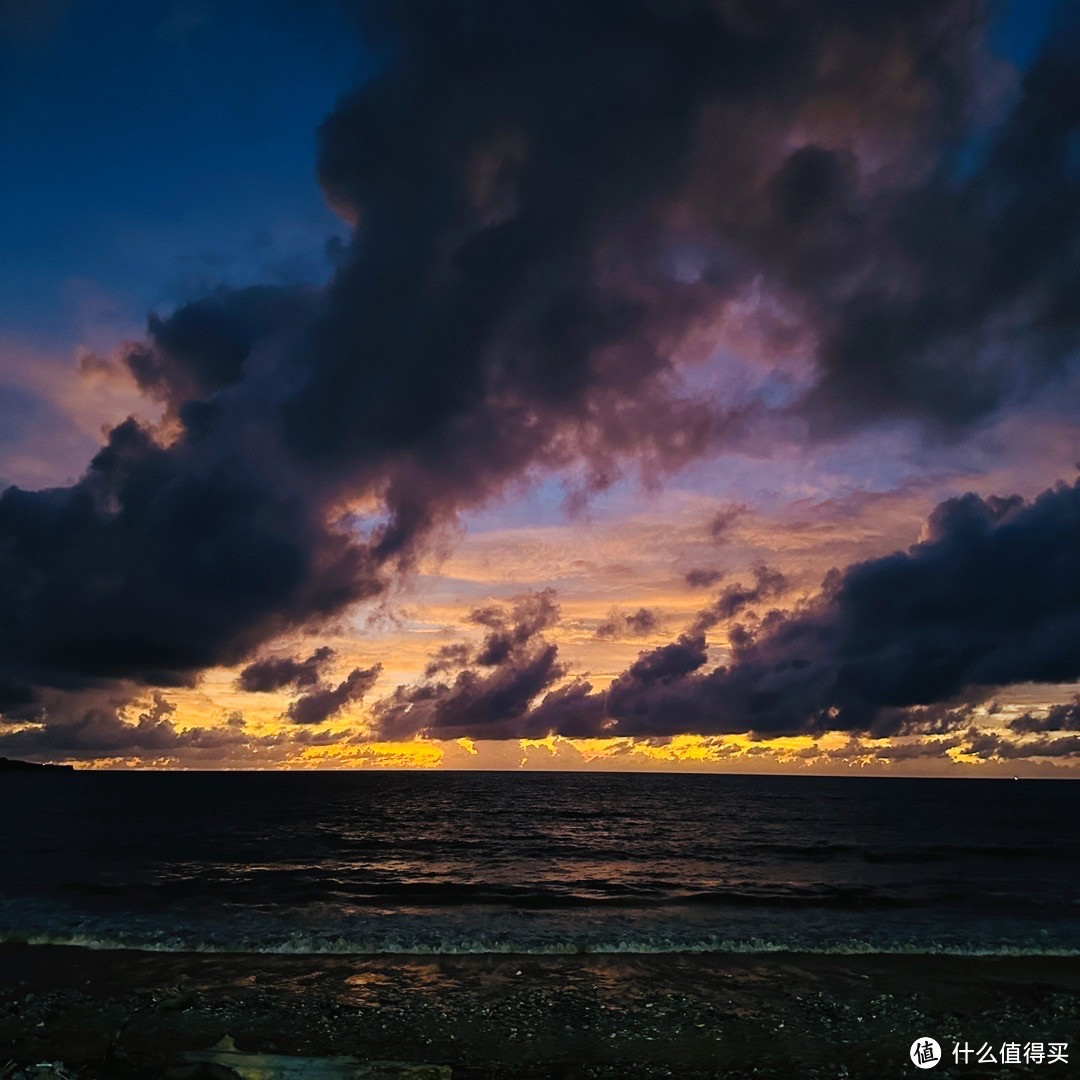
134 1014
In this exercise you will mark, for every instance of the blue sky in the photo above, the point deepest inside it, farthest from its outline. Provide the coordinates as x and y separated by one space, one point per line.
158 149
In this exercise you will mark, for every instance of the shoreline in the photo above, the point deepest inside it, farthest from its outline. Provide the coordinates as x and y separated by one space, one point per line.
120 1013
779 953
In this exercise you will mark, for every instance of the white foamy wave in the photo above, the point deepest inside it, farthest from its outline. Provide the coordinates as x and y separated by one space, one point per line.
316 945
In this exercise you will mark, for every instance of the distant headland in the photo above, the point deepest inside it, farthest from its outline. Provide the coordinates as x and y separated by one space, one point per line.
11 765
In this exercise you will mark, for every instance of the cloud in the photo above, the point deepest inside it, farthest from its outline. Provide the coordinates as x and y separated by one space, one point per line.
203 347
668 663
474 705
513 628
703 578
913 750
723 520
987 745
990 597
1057 718
447 657
266 676
319 705
512 666
736 598
97 728
162 561
969 297
319 701
638 623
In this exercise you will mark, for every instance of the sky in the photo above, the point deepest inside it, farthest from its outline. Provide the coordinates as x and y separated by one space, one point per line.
661 385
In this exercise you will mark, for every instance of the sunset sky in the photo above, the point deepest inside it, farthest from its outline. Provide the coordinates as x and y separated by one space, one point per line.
652 384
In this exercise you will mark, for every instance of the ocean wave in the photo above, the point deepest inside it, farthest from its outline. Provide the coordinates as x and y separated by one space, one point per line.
306 944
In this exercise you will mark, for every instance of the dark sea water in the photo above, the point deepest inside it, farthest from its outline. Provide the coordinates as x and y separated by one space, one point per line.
494 862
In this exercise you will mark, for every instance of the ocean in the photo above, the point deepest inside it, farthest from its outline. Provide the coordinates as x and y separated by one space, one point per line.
543 863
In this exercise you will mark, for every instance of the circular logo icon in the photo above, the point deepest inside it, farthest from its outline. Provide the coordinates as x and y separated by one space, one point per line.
925 1053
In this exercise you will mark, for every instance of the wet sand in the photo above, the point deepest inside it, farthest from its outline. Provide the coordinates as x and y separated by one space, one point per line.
131 1014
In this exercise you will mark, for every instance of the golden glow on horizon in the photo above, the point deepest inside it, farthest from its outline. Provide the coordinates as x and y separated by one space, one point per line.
831 754
417 754
267 740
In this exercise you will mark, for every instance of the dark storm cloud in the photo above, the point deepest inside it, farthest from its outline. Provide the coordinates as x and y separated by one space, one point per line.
513 665
1058 718
513 628
447 657
938 718
524 178
968 295
991 597
667 663
488 335
989 746
638 623
737 597
901 644
485 704
911 751
516 222
161 561
319 701
319 705
265 676
203 346
703 578
96 728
